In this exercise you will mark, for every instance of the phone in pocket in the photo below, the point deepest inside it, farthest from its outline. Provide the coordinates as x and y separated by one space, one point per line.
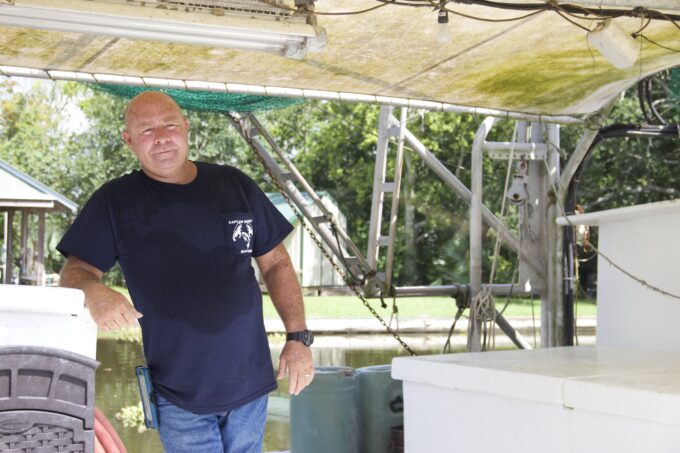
147 396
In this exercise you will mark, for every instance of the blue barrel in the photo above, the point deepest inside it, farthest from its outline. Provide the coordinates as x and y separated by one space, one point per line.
323 417
381 408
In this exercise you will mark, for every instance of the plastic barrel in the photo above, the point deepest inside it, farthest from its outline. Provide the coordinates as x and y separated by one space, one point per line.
381 408
323 418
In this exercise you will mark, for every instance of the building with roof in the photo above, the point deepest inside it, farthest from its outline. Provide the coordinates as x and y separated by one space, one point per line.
314 271
24 202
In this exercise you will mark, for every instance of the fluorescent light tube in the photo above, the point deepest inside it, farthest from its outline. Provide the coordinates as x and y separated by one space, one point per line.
287 39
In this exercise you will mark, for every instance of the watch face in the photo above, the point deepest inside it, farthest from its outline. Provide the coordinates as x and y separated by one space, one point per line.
307 337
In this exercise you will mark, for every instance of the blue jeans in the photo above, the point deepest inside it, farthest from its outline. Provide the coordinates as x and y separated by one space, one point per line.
239 430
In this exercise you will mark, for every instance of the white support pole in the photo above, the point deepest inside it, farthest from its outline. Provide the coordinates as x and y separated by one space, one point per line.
399 161
378 197
23 266
554 237
5 246
9 244
474 330
537 239
40 265
587 137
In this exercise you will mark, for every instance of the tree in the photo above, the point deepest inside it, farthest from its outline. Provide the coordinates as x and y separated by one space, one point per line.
333 144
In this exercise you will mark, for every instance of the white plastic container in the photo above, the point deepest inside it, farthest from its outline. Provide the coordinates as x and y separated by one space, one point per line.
52 317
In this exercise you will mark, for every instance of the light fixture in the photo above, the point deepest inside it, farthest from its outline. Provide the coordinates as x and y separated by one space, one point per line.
444 33
210 24
617 46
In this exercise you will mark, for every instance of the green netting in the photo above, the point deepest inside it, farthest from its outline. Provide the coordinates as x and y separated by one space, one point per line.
206 101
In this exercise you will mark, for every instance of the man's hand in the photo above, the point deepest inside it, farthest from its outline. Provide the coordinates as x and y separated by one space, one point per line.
296 358
109 309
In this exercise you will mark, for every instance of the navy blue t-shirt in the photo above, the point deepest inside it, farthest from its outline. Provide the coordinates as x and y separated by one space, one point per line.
185 251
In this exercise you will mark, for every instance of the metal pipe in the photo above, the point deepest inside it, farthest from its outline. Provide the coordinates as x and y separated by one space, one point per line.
509 239
555 239
9 71
510 331
394 210
309 190
476 186
378 181
497 289
582 147
518 148
292 191
474 342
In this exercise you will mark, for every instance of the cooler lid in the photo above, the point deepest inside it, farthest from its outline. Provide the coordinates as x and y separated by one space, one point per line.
40 299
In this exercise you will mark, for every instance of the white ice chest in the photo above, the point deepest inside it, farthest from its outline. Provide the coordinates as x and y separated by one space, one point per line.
43 316
622 395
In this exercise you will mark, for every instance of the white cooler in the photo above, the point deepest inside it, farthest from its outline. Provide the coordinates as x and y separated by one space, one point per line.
46 316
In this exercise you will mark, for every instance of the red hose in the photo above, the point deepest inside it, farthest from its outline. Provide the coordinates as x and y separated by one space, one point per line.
106 438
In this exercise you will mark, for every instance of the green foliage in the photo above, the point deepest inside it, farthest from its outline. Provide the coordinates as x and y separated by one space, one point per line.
130 334
32 140
624 172
132 417
333 144
349 307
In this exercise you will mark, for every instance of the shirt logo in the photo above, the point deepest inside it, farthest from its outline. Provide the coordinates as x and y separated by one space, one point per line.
243 231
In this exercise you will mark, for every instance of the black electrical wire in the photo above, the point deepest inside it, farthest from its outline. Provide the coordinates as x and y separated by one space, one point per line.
577 10
605 133
592 13
635 35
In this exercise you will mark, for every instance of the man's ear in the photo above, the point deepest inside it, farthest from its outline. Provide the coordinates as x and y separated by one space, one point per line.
126 139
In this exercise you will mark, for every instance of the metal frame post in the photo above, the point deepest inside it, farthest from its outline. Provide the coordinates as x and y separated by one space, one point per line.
476 185
554 236
378 187
9 244
396 190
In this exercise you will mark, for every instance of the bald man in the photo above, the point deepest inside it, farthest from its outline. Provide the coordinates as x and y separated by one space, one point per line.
184 234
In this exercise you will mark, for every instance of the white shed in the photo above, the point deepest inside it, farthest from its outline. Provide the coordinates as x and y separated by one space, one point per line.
314 271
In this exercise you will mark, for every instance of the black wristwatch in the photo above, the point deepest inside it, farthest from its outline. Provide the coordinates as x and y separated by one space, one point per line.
306 337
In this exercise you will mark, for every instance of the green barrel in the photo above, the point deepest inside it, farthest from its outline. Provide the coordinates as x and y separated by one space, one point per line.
381 407
323 417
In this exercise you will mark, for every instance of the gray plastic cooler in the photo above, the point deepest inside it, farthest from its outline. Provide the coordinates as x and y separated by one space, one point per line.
47 371
46 400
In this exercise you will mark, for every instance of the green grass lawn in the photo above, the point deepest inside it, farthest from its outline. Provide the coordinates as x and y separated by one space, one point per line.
410 307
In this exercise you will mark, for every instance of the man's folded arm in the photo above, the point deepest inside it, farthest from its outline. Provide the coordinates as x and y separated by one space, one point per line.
109 309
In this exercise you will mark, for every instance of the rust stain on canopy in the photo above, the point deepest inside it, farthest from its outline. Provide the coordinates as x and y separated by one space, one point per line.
541 64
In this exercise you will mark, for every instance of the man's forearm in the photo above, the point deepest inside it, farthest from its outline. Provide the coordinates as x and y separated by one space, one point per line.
284 290
286 295
78 278
109 309
79 275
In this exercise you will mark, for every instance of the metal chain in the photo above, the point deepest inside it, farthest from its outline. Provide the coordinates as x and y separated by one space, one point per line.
246 136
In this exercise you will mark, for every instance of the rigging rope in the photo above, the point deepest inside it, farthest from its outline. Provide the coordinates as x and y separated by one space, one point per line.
484 300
